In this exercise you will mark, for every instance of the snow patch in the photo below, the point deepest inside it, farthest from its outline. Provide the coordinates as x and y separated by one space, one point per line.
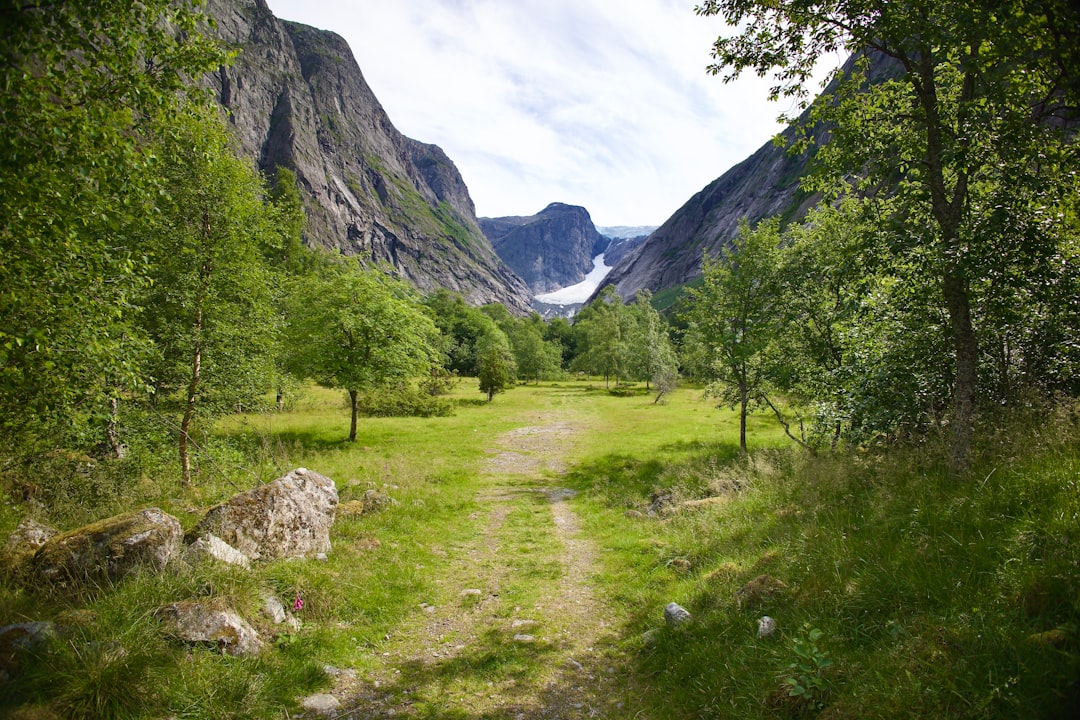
577 294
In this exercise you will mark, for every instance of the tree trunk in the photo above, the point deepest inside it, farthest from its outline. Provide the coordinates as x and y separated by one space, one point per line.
352 424
112 434
966 349
189 408
744 401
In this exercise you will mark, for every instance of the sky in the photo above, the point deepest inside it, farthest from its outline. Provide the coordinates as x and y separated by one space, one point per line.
605 104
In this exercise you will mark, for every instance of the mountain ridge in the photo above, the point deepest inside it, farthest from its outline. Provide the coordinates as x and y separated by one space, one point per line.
297 98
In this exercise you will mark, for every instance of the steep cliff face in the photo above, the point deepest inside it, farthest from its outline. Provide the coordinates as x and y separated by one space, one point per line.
550 250
763 185
298 99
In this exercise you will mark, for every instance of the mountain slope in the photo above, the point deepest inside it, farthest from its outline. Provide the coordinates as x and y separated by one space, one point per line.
550 250
763 185
297 99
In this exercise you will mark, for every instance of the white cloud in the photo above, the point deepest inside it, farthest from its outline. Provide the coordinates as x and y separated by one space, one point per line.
590 102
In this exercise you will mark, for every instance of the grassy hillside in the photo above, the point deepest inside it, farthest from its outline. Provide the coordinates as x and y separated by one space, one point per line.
896 590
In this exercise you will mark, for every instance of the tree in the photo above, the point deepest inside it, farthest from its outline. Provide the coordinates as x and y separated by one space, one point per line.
82 86
732 317
358 330
603 329
535 357
209 309
495 360
980 86
651 354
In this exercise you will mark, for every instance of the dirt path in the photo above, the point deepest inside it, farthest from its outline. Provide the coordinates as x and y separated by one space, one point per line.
519 632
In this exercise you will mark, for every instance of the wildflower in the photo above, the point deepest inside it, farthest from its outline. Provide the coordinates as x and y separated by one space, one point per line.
298 604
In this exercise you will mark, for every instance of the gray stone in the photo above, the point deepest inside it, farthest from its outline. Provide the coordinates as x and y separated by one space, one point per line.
211 547
210 622
273 609
289 517
766 626
18 639
676 615
23 542
109 548
322 704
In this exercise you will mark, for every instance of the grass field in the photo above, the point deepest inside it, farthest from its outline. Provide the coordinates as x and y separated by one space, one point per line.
897 590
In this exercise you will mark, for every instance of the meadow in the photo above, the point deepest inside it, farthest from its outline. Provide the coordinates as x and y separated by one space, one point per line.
897 589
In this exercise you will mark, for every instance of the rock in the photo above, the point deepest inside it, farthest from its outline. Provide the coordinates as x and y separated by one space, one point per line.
634 514
523 638
759 590
273 609
22 543
650 636
17 639
210 622
289 517
296 98
766 626
676 615
375 501
519 623
471 593
214 548
322 704
1056 638
110 548
550 250
681 565
662 502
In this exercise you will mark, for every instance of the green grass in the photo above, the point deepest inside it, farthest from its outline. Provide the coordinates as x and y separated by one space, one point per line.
934 597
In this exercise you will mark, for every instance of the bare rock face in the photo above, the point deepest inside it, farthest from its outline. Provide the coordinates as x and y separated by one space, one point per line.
290 517
210 622
297 99
21 545
550 250
109 548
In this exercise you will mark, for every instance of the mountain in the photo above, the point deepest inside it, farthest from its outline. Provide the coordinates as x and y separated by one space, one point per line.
297 98
763 185
550 250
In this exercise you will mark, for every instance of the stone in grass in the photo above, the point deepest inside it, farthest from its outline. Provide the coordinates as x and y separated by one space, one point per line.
22 543
676 615
524 638
766 627
18 639
287 518
321 704
759 590
110 548
210 622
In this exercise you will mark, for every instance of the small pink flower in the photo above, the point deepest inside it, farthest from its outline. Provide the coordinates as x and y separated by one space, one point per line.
298 604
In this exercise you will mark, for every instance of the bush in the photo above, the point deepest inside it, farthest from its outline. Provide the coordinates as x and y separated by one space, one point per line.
403 401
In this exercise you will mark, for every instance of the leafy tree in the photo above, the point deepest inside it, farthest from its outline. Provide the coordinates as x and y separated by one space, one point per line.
534 356
82 85
497 370
604 330
462 327
978 99
209 309
651 353
732 317
358 330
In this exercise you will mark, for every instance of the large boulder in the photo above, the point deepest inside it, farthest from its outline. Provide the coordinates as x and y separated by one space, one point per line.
110 548
289 517
210 622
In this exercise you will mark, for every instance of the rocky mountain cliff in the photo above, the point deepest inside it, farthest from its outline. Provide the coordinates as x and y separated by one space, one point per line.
298 99
550 250
763 185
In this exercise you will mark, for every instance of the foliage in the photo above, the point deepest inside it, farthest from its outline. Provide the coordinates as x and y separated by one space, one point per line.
967 134
732 317
402 400
358 330
495 359
82 88
208 309
805 676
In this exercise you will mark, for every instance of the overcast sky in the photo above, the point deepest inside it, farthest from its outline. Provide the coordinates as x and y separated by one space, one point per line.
599 103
